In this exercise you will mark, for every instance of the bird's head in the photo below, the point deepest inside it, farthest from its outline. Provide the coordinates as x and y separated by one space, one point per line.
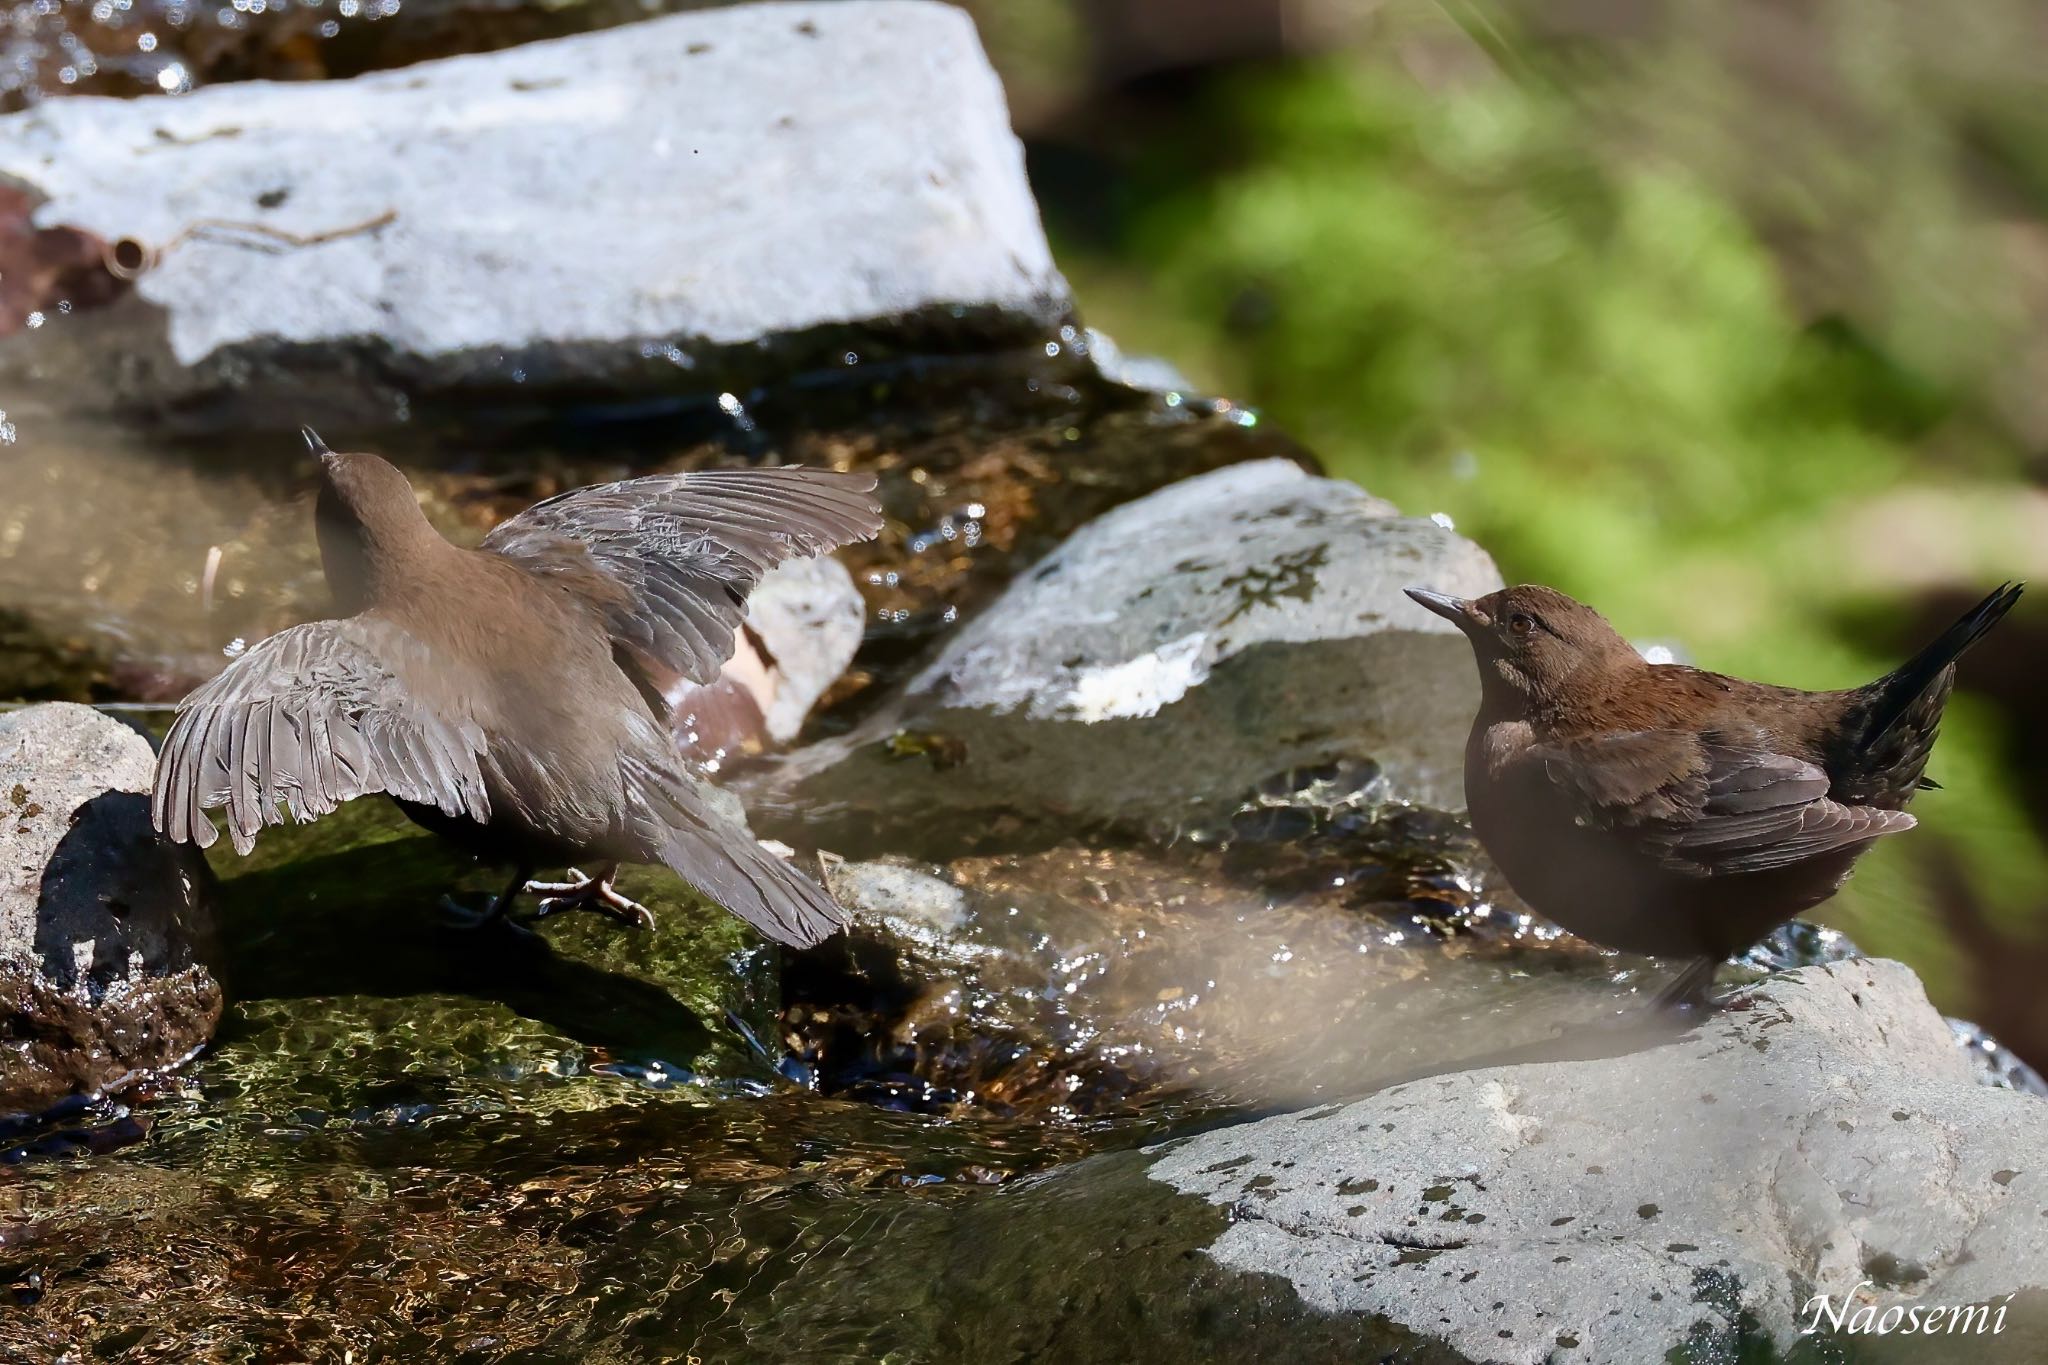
368 520
1534 644
361 485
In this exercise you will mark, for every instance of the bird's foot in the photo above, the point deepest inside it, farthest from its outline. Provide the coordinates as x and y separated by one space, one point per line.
589 893
1690 994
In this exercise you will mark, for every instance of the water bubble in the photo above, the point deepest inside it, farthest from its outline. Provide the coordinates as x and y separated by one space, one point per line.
172 79
730 405
1052 348
35 319
328 28
145 42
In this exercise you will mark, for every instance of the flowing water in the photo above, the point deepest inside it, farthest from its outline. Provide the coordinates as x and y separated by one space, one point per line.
596 1145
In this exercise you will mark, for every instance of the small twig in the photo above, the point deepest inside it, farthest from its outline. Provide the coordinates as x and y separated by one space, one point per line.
127 258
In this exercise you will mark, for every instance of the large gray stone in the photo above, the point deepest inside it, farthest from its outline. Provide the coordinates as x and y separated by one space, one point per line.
1825 1137
104 927
1174 653
614 213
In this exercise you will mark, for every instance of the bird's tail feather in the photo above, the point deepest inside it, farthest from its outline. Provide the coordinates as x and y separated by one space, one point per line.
719 856
1894 694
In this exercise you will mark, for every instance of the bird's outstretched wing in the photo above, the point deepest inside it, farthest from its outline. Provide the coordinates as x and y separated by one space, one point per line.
718 855
669 559
310 718
1707 807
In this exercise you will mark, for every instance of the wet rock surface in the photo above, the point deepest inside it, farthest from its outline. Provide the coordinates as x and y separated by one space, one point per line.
104 928
1185 646
338 251
1824 1137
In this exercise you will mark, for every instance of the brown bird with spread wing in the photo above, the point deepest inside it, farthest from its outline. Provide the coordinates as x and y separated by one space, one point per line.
1665 810
509 697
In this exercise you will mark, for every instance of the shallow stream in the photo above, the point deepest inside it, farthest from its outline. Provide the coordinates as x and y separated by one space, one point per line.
597 1145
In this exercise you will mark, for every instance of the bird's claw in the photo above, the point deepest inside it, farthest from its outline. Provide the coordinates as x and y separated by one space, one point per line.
589 893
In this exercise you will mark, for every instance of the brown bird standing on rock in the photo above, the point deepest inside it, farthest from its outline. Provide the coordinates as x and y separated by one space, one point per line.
508 697
1663 810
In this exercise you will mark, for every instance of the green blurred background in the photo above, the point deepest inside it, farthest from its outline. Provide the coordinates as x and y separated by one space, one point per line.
1731 320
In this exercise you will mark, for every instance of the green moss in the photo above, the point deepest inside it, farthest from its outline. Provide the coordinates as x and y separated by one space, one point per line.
347 908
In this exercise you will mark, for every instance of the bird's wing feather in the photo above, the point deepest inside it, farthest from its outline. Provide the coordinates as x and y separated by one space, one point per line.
670 559
310 718
1709 807
709 850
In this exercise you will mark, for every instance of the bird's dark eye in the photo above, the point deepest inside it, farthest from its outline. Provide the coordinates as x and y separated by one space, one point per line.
1521 623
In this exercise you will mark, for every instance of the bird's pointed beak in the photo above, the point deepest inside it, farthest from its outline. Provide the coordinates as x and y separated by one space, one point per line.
1459 611
314 443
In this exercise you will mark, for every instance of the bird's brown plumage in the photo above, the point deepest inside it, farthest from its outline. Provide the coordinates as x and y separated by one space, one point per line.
1663 809
502 695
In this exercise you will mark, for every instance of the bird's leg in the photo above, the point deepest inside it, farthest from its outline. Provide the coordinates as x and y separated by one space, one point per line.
462 917
1689 989
594 892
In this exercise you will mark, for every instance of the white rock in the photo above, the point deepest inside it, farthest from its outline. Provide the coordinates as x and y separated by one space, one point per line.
713 177
1175 653
1829 1138
811 617
102 923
